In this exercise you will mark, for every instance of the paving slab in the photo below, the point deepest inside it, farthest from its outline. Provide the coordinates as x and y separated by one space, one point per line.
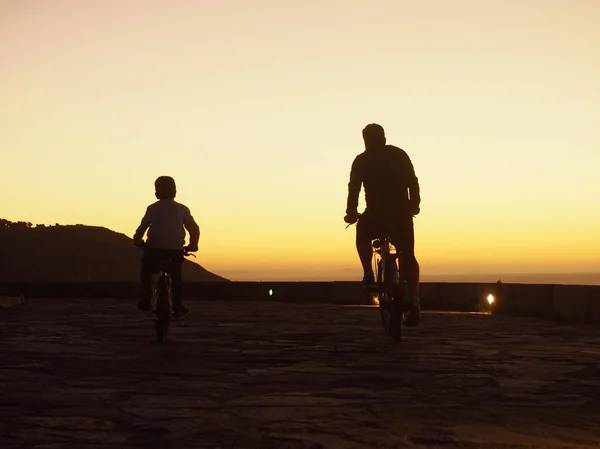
88 373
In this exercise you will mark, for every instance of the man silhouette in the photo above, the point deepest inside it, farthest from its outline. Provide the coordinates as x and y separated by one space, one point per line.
393 198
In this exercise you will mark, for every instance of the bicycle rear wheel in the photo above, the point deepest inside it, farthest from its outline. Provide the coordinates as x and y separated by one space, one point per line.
384 300
394 294
397 314
163 310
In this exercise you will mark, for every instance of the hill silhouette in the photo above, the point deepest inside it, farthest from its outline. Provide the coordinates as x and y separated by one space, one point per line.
74 253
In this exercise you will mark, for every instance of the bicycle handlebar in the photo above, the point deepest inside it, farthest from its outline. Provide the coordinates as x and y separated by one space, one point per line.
186 253
357 218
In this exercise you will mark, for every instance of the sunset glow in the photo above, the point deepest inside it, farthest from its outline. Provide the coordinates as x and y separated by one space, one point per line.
256 109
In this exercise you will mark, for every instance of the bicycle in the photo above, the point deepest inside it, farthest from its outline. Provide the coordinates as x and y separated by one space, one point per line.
390 285
162 298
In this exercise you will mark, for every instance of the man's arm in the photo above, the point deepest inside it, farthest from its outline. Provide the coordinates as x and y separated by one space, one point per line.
413 185
142 228
192 227
354 187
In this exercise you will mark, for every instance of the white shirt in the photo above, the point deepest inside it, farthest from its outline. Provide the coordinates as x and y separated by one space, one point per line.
167 220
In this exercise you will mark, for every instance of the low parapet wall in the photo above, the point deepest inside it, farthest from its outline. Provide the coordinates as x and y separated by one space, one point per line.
575 303
567 302
448 296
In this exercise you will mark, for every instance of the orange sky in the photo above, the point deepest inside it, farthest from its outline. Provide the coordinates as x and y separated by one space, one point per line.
256 108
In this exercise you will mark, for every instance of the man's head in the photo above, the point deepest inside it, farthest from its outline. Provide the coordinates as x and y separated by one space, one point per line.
374 136
164 188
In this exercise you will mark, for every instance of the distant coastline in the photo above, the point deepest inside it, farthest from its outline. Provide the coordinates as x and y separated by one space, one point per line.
520 278
343 276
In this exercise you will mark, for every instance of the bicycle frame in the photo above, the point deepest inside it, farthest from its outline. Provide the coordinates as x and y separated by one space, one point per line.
163 299
163 309
163 287
383 256
164 282
391 285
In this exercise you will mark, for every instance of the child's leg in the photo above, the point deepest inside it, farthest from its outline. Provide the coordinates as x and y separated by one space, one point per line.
176 280
148 268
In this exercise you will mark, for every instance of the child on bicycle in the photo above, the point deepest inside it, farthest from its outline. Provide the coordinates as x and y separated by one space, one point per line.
167 221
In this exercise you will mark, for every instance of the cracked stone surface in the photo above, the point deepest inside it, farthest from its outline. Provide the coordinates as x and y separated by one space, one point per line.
84 373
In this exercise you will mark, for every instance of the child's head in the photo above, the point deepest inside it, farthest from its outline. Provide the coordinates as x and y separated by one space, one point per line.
164 188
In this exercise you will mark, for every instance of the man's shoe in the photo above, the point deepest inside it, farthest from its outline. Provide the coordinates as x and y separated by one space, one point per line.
414 313
179 311
368 280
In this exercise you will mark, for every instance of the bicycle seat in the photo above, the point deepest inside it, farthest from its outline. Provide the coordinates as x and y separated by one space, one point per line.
377 244
378 241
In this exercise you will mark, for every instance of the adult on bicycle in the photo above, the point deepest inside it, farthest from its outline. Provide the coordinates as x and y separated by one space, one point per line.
393 198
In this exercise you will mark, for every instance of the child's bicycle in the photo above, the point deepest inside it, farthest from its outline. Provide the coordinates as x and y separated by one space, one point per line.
390 286
162 299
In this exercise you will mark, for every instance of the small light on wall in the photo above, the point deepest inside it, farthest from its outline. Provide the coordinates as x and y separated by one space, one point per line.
490 299
270 292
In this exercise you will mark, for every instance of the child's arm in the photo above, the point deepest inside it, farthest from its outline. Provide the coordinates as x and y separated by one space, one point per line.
194 230
142 228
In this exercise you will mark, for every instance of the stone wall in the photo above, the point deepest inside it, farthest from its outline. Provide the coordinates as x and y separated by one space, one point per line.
575 303
564 302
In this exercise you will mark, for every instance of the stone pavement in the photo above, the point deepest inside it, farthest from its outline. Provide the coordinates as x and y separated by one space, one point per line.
87 374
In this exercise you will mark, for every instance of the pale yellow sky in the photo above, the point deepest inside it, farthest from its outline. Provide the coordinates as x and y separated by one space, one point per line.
256 108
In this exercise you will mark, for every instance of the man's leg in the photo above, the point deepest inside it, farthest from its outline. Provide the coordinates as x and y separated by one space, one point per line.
365 249
411 270
412 273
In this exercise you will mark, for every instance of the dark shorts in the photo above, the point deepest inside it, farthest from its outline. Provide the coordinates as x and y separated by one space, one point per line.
155 259
399 227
